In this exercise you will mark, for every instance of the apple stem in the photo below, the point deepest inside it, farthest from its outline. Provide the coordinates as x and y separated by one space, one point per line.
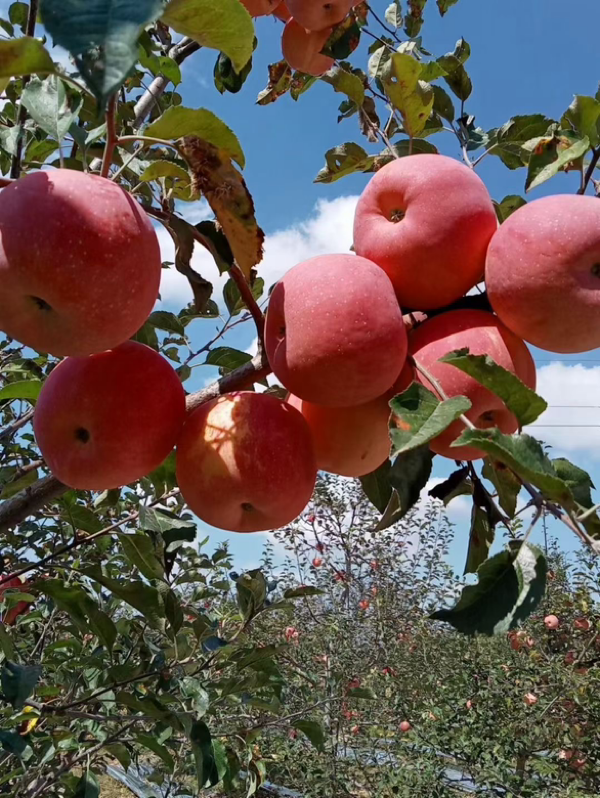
111 136
246 293
589 171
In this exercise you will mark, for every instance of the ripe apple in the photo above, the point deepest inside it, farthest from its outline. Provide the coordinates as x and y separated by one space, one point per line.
530 699
334 333
426 221
483 334
551 622
317 562
11 614
282 12
317 15
245 462
583 624
79 263
405 726
542 273
350 441
260 8
302 48
107 420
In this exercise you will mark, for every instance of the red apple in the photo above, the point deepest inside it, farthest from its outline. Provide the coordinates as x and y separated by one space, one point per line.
405 726
302 48
79 263
426 221
350 441
551 622
11 614
261 8
317 15
334 333
543 273
245 462
282 12
483 334
107 420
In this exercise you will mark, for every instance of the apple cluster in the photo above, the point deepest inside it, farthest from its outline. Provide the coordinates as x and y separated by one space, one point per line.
308 25
344 333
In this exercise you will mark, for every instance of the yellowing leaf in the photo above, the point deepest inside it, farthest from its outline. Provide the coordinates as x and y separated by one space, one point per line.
411 96
224 188
24 57
223 25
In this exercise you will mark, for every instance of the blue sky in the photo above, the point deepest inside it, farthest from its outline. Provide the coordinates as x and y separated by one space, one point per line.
526 57
520 63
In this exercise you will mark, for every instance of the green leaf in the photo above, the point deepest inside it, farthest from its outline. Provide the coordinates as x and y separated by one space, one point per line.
158 169
510 587
13 487
584 116
166 321
120 752
233 299
442 103
164 522
224 26
302 591
18 13
313 731
411 96
204 755
52 105
18 682
408 476
178 121
173 611
227 358
25 389
431 70
151 743
414 19
251 592
507 485
141 552
377 487
347 83
81 518
393 14
456 76
552 155
87 786
344 160
581 485
101 35
444 5
24 56
144 598
6 643
13 743
481 538
524 403
420 417
524 455
81 608
507 206
362 692
507 141
225 76
457 484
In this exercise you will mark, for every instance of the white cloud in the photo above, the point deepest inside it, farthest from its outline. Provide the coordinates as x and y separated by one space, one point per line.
572 421
327 230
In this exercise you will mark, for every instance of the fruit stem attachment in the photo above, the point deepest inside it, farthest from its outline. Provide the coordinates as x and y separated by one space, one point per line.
111 136
246 293
589 171
15 165
437 387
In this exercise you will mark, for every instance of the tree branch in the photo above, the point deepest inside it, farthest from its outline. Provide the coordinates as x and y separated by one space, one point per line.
111 136
179 52
15 166
45 490
246 293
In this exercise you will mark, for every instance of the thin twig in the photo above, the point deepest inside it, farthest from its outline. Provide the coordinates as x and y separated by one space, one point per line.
437 387
111 136
246 293
15 165
590 170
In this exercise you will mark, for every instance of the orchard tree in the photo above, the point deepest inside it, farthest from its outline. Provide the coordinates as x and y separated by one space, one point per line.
112 647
